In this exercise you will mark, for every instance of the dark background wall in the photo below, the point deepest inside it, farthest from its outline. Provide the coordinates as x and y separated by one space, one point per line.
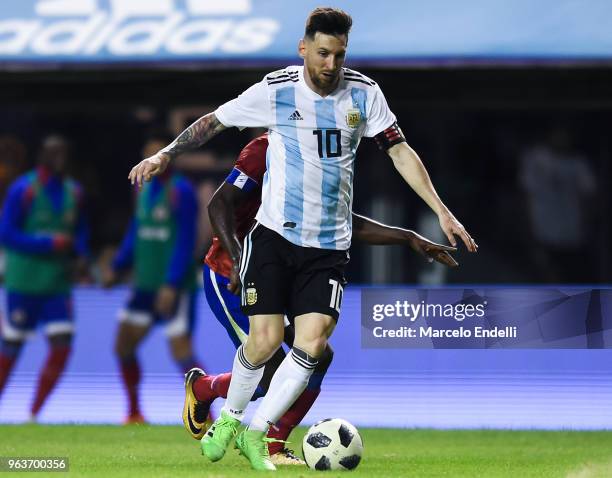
472 128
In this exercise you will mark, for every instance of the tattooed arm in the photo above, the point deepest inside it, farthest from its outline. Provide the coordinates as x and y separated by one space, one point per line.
195 135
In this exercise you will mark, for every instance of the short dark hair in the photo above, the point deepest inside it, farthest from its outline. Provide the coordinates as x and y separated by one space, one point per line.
331 21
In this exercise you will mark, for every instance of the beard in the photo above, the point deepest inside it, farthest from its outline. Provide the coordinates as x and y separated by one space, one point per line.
322 81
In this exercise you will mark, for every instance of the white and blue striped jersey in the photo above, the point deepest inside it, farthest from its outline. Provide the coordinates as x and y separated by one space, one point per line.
307 193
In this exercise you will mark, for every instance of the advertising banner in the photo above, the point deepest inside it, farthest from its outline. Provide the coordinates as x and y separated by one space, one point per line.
245 32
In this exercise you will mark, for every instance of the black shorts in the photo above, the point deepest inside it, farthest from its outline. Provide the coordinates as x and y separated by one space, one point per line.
279 277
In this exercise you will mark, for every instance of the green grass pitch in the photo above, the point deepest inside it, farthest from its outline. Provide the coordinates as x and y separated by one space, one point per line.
167 451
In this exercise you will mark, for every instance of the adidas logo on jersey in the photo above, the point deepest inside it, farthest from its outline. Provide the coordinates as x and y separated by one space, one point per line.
296 116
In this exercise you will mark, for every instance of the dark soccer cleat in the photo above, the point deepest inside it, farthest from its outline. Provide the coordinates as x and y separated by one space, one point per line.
195 413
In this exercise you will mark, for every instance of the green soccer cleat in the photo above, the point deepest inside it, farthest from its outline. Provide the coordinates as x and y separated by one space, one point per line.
219 436
253 445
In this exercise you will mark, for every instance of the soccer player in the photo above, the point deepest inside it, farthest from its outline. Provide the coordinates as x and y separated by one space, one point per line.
232 211
294 257
43 229
159 247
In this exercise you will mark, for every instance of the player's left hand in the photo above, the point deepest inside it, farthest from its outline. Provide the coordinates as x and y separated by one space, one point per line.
432 251
452 227
165 302
147 168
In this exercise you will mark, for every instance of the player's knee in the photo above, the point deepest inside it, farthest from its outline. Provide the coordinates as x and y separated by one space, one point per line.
314 346
318 346
325 360
180 347
58 354
124 347
267 336
11 348
61 340
180 356
260 347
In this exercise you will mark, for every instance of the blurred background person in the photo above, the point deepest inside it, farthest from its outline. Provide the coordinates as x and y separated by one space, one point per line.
559 187
159 248
13 155
43 229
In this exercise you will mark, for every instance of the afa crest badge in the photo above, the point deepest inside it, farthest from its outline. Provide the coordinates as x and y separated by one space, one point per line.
251 296
353 118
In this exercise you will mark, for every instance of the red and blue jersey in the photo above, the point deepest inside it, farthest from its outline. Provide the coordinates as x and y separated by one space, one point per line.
18 206
42 222
247 174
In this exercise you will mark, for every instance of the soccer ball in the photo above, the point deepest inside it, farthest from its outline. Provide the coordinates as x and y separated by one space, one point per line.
332 444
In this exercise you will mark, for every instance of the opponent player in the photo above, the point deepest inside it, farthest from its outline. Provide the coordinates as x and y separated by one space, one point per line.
232 211
159 247
294 258
43 229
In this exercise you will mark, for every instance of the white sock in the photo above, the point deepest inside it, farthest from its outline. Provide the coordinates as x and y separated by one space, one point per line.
245 378
287 384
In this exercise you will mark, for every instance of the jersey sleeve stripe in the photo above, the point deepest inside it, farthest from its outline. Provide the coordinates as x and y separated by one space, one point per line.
294 80
240 180
282 77
346 78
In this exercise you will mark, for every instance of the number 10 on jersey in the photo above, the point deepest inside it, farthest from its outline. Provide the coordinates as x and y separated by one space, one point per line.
330 141
336 295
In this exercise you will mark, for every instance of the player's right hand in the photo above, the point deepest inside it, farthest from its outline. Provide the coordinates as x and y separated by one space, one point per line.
149 167
452 227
